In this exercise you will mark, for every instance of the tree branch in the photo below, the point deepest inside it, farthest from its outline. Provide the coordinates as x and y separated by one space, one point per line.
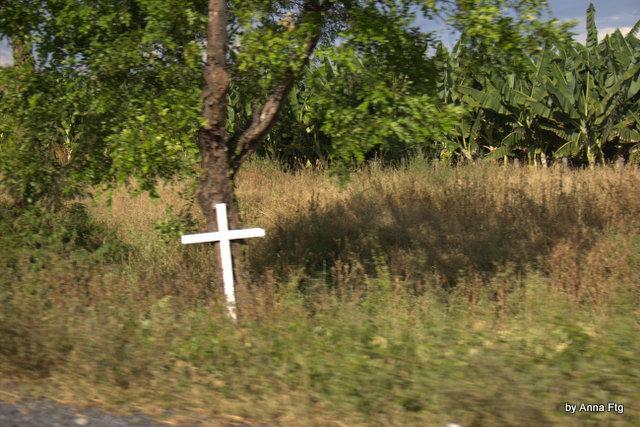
263 119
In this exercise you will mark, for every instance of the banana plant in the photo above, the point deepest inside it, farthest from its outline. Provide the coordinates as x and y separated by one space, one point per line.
463 143
519 103
594 92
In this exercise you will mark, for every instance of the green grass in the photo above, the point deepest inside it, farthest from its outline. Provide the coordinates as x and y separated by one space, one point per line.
414 296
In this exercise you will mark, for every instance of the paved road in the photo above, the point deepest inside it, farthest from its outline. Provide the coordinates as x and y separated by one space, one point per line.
44 413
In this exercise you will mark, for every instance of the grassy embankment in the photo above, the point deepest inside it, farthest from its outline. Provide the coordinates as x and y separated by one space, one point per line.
416 296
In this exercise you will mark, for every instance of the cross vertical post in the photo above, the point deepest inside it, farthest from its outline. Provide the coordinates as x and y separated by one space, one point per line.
225 256
224 236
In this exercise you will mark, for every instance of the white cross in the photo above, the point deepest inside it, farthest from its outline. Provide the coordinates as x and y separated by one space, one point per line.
224 235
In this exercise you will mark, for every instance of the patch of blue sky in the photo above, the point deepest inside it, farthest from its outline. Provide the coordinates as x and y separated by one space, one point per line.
610 15
5 53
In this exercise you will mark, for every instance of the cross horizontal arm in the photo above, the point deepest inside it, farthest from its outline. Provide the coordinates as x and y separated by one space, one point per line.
222 235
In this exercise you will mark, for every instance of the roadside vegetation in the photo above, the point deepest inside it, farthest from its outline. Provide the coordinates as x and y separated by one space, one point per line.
436 250
578 101
415 295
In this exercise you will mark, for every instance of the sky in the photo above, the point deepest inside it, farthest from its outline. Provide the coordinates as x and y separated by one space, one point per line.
610 14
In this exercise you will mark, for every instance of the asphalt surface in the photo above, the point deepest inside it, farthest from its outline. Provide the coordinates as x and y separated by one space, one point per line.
45 413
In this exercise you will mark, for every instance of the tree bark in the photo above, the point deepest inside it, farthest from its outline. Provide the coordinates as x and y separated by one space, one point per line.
216 186
216 183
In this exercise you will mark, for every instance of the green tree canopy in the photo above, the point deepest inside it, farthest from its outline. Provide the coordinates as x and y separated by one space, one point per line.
108 90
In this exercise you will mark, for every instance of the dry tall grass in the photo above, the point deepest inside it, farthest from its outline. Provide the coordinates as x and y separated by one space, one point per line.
430 225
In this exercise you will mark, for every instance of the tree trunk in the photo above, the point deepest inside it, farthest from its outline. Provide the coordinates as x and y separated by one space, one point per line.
216 185
222 155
